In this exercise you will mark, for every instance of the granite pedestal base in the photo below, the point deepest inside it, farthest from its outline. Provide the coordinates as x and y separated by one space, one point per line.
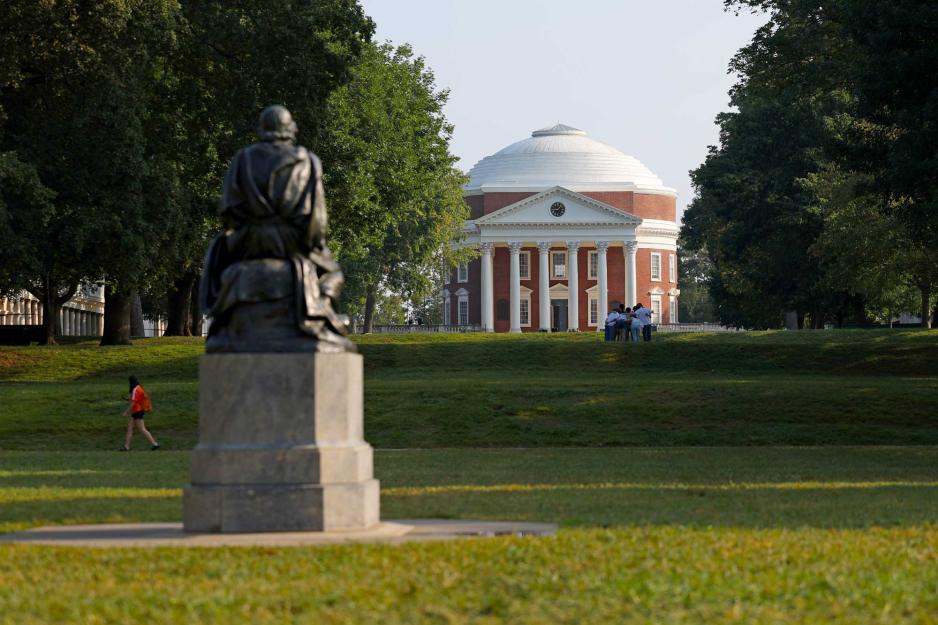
281 446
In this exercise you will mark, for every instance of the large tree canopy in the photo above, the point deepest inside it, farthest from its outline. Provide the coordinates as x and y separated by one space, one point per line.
75 95
831 147
395 195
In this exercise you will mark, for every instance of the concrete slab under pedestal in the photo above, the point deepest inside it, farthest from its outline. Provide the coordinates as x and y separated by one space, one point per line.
172 534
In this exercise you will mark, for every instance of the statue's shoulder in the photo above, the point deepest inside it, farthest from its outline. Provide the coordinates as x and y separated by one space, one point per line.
317 164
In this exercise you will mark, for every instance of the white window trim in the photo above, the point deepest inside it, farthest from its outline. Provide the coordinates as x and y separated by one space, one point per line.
655 309
462 272
554 276
463 299
592 275
672 268
672 310
651 266
592 295
525 296
447 308
524 276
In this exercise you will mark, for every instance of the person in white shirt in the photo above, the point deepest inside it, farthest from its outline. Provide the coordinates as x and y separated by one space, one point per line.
643 315
611 324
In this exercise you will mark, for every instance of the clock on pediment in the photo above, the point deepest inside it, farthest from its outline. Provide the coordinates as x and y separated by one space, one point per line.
557 209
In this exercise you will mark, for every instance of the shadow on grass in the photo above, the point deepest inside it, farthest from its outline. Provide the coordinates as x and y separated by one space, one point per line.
774 487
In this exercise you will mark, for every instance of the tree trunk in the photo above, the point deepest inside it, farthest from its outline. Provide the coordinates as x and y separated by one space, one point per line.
136 316
195 311
117 309
926 308
369 310
179 298
52 304
859 311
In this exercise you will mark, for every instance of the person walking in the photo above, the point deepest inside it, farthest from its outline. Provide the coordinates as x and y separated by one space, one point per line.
636 327
139 404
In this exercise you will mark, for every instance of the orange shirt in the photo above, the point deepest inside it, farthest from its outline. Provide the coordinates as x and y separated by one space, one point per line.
137 398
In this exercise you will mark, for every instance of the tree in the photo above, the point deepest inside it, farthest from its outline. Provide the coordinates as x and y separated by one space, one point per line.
76 90
35 241
877 64
234 57
694 275
395 194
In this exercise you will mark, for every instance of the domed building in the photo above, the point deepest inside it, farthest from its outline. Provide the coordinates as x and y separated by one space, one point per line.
567 228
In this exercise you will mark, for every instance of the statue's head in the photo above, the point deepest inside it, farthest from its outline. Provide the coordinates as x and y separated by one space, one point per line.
276 124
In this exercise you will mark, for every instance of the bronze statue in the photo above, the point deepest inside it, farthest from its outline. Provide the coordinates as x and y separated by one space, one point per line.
269 282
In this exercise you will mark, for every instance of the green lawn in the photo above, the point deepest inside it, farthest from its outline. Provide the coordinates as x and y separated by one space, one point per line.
771 388
753 478
679 535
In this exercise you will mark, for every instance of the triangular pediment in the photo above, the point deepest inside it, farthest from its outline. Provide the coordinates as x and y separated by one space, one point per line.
558 206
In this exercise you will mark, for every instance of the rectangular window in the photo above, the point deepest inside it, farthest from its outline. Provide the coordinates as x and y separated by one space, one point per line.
672 309
594 265
672 268
524 265
656 266
656 309
462 272
558 264
525 311
447 311
594 312
463 311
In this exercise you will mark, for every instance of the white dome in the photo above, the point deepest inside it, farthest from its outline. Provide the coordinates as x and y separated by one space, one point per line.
562 156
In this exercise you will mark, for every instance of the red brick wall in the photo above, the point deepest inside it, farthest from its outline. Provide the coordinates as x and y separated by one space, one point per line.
476 205
649 206
644 205
500 286
494 201
617 199
646 284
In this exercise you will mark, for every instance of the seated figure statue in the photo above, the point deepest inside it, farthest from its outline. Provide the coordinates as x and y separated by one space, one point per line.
269 282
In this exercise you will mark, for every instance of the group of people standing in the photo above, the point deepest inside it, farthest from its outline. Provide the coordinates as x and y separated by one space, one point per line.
629 324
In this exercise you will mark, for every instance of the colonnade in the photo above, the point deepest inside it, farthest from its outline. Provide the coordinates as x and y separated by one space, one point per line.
72 321
572 279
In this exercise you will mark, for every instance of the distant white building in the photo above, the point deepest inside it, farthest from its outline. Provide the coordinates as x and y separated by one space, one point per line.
568 227
83 315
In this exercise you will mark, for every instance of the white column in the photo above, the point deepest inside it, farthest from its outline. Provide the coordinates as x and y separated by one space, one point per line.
603 286
573 284
3 311
631 249
39 311
101 324
543 285
515 247
488 288
85 325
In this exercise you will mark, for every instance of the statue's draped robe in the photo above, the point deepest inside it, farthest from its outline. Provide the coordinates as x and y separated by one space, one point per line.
273 248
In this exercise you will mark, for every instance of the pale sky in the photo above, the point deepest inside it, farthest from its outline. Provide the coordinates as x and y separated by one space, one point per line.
646 76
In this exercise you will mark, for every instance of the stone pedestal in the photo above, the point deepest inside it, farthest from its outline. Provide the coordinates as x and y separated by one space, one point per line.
281 446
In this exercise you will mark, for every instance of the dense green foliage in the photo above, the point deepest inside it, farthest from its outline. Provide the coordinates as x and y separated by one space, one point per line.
117 122
821 197
838 387
396 194
715 535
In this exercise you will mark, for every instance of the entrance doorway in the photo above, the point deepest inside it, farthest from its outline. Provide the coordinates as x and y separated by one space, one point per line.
558 315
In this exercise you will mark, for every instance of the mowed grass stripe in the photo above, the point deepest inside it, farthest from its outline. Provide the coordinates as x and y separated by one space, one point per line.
624 575
478 390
